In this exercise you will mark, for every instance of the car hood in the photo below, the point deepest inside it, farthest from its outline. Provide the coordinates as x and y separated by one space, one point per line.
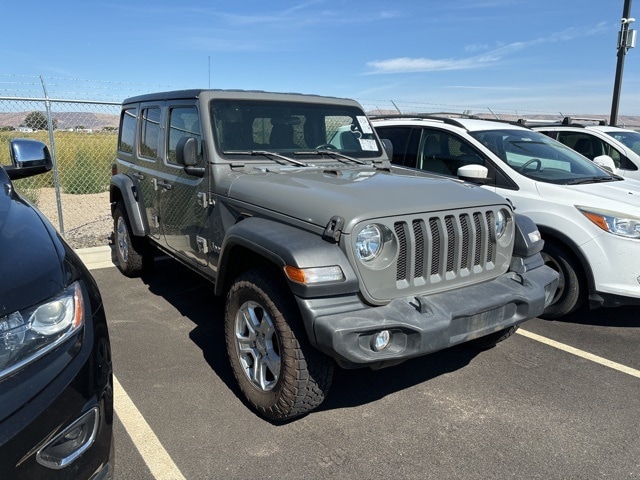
622 196
356 194
31 255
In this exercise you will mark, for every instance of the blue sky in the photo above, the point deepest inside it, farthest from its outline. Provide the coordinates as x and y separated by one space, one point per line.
544 56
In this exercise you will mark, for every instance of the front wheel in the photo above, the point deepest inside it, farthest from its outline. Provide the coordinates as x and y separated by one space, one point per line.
571 285
280 374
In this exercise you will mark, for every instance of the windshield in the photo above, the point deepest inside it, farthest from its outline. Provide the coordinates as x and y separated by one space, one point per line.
539 157
629 139
243 127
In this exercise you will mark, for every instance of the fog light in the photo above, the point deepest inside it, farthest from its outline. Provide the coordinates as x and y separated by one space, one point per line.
381 340
71 442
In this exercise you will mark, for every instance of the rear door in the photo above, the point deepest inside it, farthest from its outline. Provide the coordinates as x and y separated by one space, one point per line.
149 149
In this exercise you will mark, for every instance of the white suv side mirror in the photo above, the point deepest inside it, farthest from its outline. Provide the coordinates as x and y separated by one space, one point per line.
606 162
474 173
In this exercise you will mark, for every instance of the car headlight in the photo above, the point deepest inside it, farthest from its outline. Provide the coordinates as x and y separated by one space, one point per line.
501 223
369 243
28 334
613 222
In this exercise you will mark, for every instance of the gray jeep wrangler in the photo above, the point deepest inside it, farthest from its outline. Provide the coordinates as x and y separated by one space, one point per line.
326 253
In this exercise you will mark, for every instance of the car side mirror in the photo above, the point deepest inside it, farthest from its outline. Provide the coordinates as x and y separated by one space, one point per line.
388 147
28 157
606 162
474 173
187 155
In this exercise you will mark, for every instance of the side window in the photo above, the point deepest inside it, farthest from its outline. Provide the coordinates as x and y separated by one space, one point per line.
128 122
617 157
183 122
405 144
580 142
150 132
443 152
590 146
551 134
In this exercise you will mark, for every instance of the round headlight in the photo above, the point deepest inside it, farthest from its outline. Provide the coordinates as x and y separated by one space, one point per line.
369 243
501 223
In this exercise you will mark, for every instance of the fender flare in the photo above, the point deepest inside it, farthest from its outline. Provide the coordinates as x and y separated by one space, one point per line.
283 245
573 247
129 193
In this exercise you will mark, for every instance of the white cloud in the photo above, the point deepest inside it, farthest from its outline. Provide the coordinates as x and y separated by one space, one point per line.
491 57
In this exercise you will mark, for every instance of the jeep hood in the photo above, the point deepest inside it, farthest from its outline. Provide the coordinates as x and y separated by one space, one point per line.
316 194
31 267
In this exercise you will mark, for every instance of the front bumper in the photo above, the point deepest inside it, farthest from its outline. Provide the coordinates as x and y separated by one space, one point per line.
344 327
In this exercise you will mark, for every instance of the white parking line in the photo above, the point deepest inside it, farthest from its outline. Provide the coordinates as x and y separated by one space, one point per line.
580 353
152 451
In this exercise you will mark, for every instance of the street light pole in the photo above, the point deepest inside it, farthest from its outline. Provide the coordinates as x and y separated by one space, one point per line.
626 40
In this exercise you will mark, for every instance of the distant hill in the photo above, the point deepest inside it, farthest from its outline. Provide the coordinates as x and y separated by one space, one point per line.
65 120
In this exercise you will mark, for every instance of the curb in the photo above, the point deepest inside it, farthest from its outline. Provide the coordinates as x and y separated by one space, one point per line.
96 257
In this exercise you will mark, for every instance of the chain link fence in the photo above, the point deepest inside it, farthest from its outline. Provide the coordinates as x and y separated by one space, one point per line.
82 137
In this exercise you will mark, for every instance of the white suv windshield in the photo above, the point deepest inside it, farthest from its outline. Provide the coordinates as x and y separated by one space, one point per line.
245 127
539 157
629 139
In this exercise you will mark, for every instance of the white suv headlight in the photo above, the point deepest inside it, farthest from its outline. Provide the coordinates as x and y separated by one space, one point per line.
613 222
28 334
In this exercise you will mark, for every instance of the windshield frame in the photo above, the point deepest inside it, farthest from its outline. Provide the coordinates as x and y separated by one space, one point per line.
242 127
545 159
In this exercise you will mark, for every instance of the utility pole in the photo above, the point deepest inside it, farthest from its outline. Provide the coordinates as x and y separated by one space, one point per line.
626 40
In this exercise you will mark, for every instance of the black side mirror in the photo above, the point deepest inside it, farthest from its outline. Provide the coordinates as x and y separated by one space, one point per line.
28 157
187 155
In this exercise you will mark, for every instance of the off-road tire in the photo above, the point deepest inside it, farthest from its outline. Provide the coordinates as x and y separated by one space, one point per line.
491 340
132 253
571 284
298 376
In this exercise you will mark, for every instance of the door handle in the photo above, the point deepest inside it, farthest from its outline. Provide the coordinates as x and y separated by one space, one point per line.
160 184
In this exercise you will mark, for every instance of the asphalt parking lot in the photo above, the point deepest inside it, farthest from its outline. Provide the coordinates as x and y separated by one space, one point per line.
560 399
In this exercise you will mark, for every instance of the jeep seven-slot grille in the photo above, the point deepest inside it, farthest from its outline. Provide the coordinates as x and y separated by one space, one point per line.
440 247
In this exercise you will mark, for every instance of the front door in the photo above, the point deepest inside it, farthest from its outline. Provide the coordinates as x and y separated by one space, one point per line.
183 198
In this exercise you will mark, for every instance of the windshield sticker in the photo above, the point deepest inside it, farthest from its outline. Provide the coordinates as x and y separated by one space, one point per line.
368 145
365 126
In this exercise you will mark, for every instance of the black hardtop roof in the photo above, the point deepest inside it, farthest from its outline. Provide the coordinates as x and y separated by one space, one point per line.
230 93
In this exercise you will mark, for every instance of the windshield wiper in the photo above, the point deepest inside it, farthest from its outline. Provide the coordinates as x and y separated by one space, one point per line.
331 152
267 154
580 181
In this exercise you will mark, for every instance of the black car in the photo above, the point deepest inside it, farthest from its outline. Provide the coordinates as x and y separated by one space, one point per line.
56 377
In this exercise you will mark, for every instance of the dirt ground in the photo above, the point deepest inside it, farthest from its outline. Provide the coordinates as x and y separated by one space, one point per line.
86 218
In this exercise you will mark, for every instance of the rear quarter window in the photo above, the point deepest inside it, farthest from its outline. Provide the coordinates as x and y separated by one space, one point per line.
128 120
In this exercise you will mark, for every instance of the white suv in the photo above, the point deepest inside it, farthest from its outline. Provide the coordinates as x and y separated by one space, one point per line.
621 144
589 218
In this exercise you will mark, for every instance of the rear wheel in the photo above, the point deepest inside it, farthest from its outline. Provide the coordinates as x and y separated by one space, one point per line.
133 253
280 374
571 285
